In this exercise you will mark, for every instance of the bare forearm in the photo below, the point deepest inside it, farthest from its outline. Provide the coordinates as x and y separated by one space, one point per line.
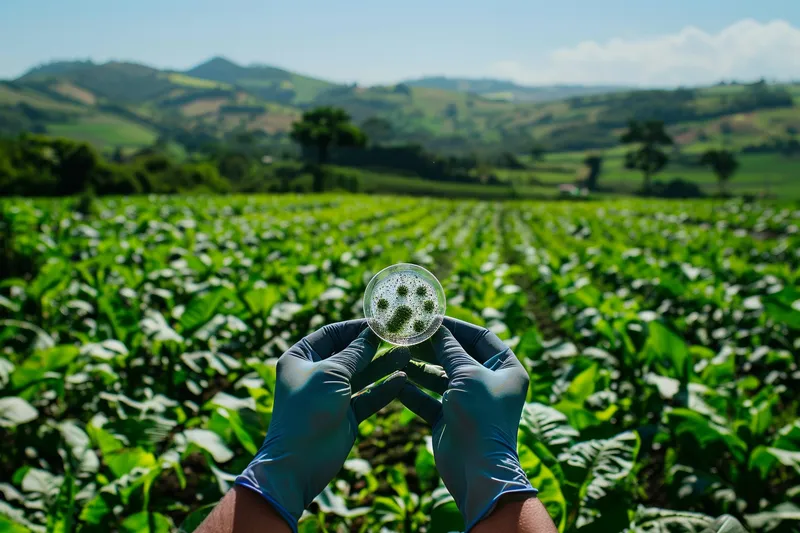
517 514
243 511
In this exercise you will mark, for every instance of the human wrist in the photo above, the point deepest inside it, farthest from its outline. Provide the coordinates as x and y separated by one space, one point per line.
490 478
276 485
273 511
516 513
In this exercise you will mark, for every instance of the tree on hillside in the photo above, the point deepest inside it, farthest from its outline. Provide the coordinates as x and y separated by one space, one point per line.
723 163
648 158
537 152
594 163
323 128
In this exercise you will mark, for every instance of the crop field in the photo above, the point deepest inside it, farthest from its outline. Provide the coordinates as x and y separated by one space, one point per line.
139 345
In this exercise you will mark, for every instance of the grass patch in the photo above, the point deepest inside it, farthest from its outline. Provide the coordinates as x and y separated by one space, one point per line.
195 83
104 130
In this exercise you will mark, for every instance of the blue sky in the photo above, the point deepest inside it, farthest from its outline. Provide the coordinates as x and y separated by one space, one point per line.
533 41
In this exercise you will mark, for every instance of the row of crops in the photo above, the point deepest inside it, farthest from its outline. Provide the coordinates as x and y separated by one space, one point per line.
139 347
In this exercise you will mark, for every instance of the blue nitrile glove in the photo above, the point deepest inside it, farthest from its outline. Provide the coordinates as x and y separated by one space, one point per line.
314 419
475 425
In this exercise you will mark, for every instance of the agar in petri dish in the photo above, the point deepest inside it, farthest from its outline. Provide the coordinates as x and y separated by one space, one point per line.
404 304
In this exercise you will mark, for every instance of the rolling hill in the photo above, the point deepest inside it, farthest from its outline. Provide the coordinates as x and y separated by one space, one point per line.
510 91
266 82
160 101
126 104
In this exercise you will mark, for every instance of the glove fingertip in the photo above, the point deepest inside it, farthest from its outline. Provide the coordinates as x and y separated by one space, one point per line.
370 337
372 400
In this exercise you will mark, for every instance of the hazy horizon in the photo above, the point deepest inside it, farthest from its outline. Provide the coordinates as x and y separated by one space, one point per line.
577 42
499 78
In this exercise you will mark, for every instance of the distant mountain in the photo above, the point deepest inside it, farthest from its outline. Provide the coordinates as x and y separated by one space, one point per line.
510 91
115 103
114 81
267 82
58 67
129 104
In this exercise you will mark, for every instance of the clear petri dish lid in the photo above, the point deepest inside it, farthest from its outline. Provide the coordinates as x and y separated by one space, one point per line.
404 304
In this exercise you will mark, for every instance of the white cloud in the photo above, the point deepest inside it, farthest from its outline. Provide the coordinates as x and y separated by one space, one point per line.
745 50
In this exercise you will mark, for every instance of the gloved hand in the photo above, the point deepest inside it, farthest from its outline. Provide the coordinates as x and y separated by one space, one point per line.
475 425
314 419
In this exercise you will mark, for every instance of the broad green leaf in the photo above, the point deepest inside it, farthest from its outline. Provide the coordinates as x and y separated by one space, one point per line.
582 418
669 350
784 514
95 511
785 449
201 309
652 520
360 467
210 442
705 432
143 432
102 439
389 509
6 368
38 481
261 300
195 518
124 461
546 431
785 457
15 411
311 523
224 479
582 386
155 326
788 437
147 522
543 479
240 429
330 502
760 416
397 481
38 365
79 444
597 467
51 275
9 526
782 307
529 345
218 362
106 350
14 521
425 466
445 516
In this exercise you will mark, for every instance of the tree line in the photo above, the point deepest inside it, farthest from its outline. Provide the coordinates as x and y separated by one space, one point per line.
37 165
649 140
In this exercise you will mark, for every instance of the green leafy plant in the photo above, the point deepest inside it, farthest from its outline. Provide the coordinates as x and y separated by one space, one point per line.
137 374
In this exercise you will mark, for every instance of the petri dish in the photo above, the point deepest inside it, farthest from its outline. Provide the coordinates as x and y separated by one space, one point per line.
404 304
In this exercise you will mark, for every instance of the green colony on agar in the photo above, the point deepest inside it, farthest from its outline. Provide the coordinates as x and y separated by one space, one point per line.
401 307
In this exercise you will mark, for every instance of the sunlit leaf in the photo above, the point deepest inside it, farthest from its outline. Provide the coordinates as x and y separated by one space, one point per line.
147 521
210 442
15 411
